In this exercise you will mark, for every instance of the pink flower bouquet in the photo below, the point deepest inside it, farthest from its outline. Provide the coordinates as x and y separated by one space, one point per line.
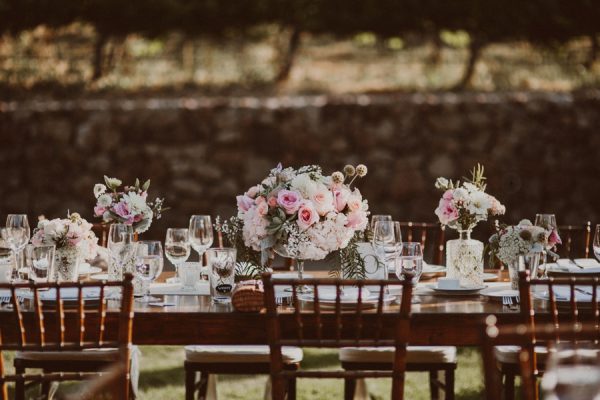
73 233
128 206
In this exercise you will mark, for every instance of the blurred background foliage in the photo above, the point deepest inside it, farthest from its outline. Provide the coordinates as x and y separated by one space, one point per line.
127 44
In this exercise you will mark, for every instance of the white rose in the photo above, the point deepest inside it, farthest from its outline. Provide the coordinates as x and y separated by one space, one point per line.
104 200
303 184
54 228
441 183
99 189
322 198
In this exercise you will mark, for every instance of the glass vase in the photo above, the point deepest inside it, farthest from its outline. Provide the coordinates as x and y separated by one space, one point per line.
464 259
66 265
528 262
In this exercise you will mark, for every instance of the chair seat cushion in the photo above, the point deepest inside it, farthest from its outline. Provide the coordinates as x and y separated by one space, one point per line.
239 354
84 355
414 354
510 354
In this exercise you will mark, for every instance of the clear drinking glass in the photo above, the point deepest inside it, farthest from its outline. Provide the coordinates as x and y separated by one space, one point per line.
548 222
40 262
148 264
596 244
177 248
6 263
201 233
409 264
387 238
121 246
572 372
16 234
377 218
221 264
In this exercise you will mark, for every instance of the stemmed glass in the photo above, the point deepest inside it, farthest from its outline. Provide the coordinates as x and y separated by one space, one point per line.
121 246
596 244
548 222
201 234
387 238
148 265
410 261
177 248
16 234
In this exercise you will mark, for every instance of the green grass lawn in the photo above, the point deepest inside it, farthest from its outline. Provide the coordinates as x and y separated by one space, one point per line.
162 377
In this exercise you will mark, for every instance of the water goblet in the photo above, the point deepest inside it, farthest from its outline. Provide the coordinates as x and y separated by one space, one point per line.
148 265
177 248
596 243
40 262
16 234
409 264
387 237
201 233
221 264
121 246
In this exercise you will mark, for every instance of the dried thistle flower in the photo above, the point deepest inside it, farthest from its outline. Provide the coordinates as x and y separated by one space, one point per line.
349 170
337 177
361 170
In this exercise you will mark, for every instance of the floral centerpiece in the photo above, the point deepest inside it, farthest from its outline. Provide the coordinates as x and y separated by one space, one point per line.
520 246
127 206
300 213
462 206
74 241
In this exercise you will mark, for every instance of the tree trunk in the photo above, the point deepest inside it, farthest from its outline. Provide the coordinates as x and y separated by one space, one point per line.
593 54
475 49
290 54
435 57
99 56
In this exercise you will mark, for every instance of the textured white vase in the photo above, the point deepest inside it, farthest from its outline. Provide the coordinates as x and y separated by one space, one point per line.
464 259
66 264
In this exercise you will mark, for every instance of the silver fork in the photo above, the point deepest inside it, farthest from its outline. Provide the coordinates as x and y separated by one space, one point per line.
507 301
4 299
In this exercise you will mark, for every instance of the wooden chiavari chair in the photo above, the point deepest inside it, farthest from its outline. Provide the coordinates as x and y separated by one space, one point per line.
75 333
556 299
101 232
575 240
337 325
430 235
526 338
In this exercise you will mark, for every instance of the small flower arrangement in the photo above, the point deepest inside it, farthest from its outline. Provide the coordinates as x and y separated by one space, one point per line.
519 240
465 204
301 212
71 233
128 206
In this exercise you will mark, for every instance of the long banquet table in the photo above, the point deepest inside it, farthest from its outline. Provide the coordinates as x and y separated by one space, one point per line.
436 320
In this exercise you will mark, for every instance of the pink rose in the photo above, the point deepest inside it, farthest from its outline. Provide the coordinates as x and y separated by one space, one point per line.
354 203
448 195
253 191
289 200
261 206
554 239
272 201
244 202
307 215
99 211
446 212
357 220
340 198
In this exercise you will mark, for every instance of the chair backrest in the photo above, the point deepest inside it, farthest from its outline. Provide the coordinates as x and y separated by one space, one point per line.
101 231
430 235
575 240
315 320
526 337
47 322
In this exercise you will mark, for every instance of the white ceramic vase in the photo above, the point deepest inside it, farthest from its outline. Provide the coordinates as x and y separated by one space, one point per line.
464 259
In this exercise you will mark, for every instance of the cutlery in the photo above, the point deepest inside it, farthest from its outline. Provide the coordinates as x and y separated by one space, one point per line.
162 304
583 291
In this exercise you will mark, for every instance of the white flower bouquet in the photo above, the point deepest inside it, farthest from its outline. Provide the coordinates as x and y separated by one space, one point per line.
302 214
71 233
519 240
465 204
128 206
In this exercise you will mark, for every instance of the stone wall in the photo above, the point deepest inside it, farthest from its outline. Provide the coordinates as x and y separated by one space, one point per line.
541 151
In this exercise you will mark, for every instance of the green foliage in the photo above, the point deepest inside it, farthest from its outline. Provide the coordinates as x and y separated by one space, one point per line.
248 263
349 263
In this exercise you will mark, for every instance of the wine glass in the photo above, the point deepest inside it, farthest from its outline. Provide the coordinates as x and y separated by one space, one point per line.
177 248
40 262
121 246
201 233
386 239
16 234
409 264
596 244
379 217
148 264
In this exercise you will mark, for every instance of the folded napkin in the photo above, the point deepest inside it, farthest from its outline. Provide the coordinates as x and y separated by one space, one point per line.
348 294
580 265
587 263
583 294
68 294
202 288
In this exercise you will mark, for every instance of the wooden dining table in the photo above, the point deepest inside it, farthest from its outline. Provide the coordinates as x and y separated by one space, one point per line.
436 320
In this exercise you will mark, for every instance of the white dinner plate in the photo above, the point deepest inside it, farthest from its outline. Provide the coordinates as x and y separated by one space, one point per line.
99 277
460 291
87 269
289 275
488 276
498 292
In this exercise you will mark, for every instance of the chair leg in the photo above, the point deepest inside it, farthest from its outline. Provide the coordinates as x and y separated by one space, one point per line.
291 389
434 389
203 385
19 385
190 384
278 388
449 383
46 390
349 388
509 386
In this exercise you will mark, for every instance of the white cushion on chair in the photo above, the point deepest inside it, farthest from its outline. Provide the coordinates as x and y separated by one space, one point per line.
239 354
414 354
510 354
